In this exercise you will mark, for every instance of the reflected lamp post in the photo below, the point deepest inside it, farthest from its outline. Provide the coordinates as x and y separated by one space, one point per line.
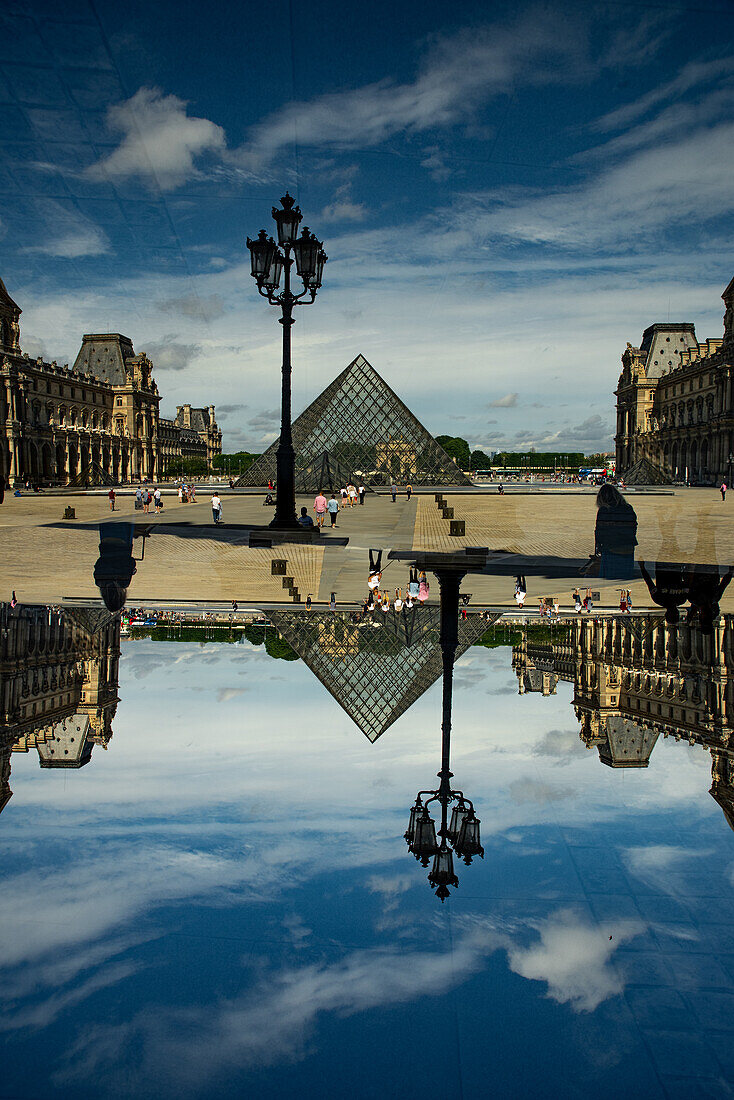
458 835
272 261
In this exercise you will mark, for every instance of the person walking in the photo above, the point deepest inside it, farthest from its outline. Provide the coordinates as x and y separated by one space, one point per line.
308 602
521 591
394 491
319 507
111 496
139 499
13 600
192 494
398 601
332 602
361 491
157 499
723 490
408 490
180 493
332 508
216 507
352 490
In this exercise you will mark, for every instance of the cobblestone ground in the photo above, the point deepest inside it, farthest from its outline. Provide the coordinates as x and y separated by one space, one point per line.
188 559
690 525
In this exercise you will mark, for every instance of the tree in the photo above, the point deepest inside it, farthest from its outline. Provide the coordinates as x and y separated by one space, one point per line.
188 467
456 448
235 463
480 461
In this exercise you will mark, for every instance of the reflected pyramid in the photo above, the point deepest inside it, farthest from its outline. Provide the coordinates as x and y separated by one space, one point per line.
367 433
375 671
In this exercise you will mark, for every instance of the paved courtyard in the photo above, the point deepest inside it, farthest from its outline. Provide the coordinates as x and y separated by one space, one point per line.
46 559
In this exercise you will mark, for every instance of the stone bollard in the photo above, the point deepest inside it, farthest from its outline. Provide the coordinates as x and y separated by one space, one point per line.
69 512
448 513
438 497
458 528
278 566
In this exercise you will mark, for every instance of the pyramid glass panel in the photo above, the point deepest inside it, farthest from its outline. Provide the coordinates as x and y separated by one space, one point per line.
359 429
376 667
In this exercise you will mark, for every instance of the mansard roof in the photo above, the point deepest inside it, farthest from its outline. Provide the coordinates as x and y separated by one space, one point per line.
7 301
104 355
200 419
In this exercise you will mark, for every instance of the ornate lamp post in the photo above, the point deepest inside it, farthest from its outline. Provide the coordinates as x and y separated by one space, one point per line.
271 261
460 835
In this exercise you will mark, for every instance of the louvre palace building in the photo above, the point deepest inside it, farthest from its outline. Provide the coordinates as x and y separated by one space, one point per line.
675 416
94 423
636 677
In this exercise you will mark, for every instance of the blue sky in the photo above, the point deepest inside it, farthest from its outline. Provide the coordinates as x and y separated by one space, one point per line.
193 915
507 195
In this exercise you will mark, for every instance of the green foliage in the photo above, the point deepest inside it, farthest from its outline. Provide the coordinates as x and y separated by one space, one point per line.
457 448
186 467
534 459
480 461
275 646
278 647
235 463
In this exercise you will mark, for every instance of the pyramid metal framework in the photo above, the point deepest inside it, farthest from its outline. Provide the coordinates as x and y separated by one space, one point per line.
645 472
363 431
375 671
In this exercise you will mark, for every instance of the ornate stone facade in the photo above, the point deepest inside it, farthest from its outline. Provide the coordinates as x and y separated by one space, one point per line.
674 402
58 685
637 677
96 422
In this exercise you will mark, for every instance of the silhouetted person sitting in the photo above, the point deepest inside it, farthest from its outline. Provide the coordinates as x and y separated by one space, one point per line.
705 589
669 589
304 519
615 535
115 566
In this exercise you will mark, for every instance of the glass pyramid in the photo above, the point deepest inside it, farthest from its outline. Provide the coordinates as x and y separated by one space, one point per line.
361 430
374 670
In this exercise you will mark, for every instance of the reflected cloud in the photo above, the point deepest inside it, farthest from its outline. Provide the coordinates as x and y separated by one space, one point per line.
573 957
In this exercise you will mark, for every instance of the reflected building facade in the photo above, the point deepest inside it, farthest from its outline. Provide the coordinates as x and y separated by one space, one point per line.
59 673
636 677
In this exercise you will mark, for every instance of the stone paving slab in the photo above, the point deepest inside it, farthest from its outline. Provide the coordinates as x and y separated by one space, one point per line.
47 563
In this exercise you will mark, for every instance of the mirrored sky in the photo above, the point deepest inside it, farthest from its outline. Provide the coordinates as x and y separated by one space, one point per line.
223 903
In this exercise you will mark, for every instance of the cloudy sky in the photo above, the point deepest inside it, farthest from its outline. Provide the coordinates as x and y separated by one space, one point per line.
507 195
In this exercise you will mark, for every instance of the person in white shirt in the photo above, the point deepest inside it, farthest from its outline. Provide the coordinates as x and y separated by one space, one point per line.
216 508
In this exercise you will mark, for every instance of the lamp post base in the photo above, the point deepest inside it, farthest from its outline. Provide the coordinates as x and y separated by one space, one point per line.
274 536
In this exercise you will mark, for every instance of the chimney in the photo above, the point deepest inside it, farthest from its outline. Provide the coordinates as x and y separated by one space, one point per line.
187 416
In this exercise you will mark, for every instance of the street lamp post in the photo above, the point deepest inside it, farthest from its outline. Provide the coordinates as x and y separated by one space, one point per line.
460 835
730 463
270 261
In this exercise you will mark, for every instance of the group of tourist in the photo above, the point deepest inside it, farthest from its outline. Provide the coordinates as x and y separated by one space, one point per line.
186 493
144 498
379 599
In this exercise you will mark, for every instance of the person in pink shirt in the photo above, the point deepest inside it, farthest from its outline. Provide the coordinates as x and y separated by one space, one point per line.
319 507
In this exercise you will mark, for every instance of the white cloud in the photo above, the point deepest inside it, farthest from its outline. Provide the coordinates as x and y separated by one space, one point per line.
343 212
509 401
160 141
199 307
536 791
168 354
69 235
458 73
573 956
691 75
